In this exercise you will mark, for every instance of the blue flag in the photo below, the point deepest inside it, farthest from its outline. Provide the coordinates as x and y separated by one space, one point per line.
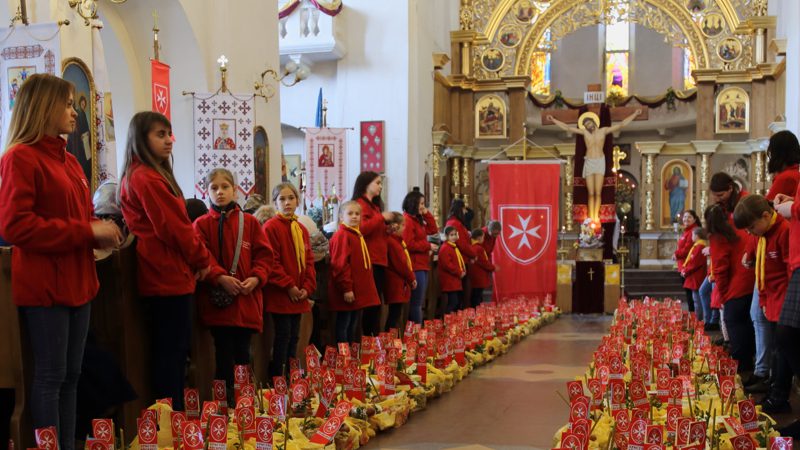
318 122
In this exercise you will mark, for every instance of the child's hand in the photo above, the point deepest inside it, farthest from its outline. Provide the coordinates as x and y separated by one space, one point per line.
782 198
106 233
706 251
434 248
414 284
303 295
746 262
349 297
294 293
231 285
463 274
249 284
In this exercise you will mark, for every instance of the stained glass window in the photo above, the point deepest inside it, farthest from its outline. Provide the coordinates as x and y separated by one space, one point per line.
617 73
618 37
688 66
540 67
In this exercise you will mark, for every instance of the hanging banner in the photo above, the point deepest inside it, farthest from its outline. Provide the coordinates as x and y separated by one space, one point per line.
525 201
326 162
106 145
160 87
223 138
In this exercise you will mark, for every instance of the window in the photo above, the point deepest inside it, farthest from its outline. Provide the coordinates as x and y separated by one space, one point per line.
540 67
688 66
617 55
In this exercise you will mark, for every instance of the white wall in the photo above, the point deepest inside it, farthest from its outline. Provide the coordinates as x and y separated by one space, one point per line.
582 45
788 11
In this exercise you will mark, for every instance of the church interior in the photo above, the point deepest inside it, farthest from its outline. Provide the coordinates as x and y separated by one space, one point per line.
431 95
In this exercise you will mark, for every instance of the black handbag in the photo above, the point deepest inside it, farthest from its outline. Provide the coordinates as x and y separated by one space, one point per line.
218 296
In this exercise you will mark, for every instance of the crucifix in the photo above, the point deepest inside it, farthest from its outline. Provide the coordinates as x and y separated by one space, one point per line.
155 34
223 61
591 274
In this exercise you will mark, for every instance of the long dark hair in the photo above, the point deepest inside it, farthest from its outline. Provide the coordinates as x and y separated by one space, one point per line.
696 217
457 210
137 146
411 204
360 187
721 182
717 223
783 151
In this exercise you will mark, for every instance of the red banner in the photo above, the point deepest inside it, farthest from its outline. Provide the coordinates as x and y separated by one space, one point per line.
160 87
525 201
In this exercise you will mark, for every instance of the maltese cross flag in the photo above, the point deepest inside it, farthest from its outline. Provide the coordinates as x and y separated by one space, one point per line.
160 87
524 198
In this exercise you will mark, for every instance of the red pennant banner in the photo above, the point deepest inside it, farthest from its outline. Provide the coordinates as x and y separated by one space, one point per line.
525 201
46 438
103 430
160 87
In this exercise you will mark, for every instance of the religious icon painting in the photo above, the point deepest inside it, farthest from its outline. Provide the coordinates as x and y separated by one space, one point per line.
490 117
82 142
324 155
510 35
492 59
712 24
293 169
15 77
732 111
261 158
372 146
676 191
696 6
730 49
224 134
524 11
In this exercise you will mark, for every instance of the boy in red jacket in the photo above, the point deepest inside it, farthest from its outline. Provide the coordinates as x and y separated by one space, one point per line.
400 279
480 271
352 287
693 269
451 269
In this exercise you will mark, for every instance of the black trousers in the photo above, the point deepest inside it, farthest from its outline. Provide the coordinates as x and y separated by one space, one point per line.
231 348
371 318
740 331
170 329
689 296
395 310
284 347
476 297
788 362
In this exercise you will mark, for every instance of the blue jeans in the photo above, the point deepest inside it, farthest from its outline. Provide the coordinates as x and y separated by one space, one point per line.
763 332
418 296
58 338
346 322
698 305
709 315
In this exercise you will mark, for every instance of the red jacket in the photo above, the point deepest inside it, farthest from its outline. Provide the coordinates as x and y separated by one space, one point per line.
169 252
449 269
285 271
373 227
794 234
416 235
684 245
695 269
464 242
399 276
255 260
732 279
45 212
480 272
488 242
785 182
776 268
349 274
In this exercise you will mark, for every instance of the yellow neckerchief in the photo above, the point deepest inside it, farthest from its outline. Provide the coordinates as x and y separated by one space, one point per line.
408 256
696 244
761 251
297 240
458 255
364 249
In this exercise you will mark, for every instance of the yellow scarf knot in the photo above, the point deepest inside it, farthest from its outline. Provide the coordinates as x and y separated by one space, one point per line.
696 244
458 255
297 240
364 249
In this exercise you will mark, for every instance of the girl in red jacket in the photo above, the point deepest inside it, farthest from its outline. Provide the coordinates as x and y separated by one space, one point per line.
457 220
367 192
293 277
240 268
480 272
733 283
685 242
46 213
170 256
452 269
400 278
352 287
419 224
693 269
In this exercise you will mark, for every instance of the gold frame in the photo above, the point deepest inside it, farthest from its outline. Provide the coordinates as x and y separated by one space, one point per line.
717 128
666 221
512 27
65 63
708 15
485 100
739 52
502 63
256 130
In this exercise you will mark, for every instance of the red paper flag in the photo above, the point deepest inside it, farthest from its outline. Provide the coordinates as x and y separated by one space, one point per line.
160 87
46 438
103 430
525 201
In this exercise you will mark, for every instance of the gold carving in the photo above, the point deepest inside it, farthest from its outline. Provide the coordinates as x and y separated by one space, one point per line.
465 18
465 173
648 174
648 210
456 173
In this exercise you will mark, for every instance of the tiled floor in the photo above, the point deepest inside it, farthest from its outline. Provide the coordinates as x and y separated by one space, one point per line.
511 403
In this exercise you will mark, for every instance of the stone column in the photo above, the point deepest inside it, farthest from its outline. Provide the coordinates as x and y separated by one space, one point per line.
704 150
649 151
439 139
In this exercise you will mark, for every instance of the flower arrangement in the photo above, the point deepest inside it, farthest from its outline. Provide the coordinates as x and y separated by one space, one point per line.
591 234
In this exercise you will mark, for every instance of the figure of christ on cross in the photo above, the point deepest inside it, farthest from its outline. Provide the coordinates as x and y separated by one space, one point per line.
594 166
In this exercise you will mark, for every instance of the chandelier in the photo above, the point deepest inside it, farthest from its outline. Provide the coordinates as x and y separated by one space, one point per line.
88 8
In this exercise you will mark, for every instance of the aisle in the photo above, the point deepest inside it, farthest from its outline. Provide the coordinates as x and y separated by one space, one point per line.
511 403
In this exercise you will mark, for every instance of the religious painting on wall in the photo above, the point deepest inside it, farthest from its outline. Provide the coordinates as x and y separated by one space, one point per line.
223 130
730 49
292 174
617 73
524 11
326 163
490 118
261 158
676 191
492 59
712 24
732 111
510 35
372 146
82 142
696 6
15 76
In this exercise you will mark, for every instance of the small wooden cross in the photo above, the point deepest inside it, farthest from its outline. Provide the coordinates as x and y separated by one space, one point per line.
222 61
591 274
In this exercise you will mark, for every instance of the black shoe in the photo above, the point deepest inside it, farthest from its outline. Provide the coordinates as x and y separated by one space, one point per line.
792 430
753 379
759 387
772 406
711 327
719 341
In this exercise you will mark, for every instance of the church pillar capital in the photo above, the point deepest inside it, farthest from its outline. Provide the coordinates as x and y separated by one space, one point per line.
703 146
440 138
775 127
650 147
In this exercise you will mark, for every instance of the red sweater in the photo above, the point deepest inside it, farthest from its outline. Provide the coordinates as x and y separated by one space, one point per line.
285 271
464 242
255 260
449 269
348 273
373 227
732 279
169 252
776 268
794 234
480 272
695 270
684 245
399 276
488 242
45 212
416 235
785 182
